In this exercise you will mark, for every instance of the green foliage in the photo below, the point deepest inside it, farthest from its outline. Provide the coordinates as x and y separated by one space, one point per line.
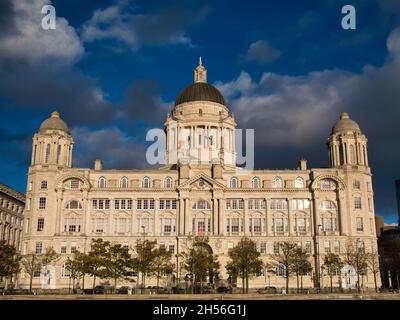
9 260
245 261
161 263
200 262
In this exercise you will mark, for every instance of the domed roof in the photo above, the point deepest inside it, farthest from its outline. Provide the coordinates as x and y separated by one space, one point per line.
345 124
200 91
54 123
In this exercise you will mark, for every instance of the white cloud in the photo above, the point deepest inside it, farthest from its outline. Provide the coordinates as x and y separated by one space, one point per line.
32 43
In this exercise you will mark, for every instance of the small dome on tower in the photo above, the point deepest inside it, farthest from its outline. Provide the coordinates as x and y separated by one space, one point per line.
54 123
345 124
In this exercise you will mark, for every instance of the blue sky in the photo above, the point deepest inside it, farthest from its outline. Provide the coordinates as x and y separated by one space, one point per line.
287 68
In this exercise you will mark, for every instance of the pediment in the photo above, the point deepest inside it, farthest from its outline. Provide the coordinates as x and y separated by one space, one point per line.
201 182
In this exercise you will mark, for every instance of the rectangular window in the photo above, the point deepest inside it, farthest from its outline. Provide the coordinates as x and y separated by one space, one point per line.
263 248
235 225
337 246
174 204
301 225
360 224
327 246
40 224
139 204
162 204
171 248
43 185
42 203
276 248
327 223
357 203
99 225
129 204
63 247
123 204
257 225
38 248
107 204
94 204
74 184
308 247
151 203
116 204
279 225
167 226
72 225
73 247
101 204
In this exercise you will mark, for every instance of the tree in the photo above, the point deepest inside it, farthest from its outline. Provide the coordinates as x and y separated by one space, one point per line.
33 262
81 263
9 261
200 262
286 258
74 268
96 259
162 263
117 263
143 261
300 264
333 265
245 261
372 260
356 257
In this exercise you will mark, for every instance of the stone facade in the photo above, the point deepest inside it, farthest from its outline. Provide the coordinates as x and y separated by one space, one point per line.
11 215
200 191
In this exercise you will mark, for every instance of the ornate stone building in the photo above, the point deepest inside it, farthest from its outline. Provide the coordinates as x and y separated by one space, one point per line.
11 215
321 209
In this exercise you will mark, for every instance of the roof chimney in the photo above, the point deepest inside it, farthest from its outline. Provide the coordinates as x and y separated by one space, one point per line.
98 164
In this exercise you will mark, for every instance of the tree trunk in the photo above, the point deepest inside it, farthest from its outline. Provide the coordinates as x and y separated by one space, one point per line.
243 284
83 282
297 279
247 283
301 281
94 282
331 276
358 281
30 282
115 284
287 281
158 279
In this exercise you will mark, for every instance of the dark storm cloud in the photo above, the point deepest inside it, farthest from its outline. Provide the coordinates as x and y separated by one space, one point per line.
121 22
297 113
142 102
116 149
261 52
7 22
77 97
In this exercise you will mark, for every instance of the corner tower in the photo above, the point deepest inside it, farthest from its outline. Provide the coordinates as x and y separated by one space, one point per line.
347 144
52 144
200 128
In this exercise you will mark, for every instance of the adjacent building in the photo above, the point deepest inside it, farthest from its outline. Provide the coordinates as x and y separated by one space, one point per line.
200 191
12 205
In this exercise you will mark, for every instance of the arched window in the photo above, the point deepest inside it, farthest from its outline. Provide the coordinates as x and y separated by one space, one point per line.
255 182
281 270
146 182
356 184
168 183
65 272
201 204
47 153
352 154
299 182
234 182
74 204
102 182
58 153
277 182
124 182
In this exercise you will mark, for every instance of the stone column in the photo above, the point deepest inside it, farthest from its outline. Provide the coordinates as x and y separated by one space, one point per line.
290 218
214 223
267 219
59 197
86 213
181 214
245 218
342 223
187 218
